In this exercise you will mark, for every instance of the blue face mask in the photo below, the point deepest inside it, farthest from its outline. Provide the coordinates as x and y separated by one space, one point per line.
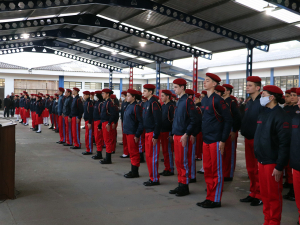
264 100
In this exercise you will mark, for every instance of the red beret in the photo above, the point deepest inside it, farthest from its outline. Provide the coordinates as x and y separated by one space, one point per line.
17 95
47 95
204 92
86 93
144 98
61 89
220 88
156 97
288 92
106 90
24 92
51 96
227 86
197 95
167 92
294 90
254 79
32 94
69 90
139 93
132 91
214 77
273 89
123 93
174 95
113 96
76 89
177 99
38 96
98 92
149 86
179 81
56 94
232 97
298 91
189 91
21 93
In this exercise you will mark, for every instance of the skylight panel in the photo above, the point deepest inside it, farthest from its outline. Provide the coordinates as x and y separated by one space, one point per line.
145 60
285 16
107 18
127 55
257 5
90 44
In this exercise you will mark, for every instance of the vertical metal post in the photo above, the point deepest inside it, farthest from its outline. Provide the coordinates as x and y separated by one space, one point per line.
131 78
249 62
168 83
110 79
121 85
272 77
299 78
195 74
61 81
157 78
227 78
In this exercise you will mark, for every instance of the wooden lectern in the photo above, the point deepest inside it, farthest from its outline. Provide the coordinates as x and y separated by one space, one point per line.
7 161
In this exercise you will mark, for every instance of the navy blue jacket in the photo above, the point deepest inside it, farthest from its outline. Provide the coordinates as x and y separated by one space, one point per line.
152 118
76 108
32 105
235 113
107 112
295 142
185 117
133 121
116 114
198 128
249 123
60 105
97 110
26 103
39 107
167 111
22 101
17 103
67 106
50 106
123 107
216 119
54 107
88 111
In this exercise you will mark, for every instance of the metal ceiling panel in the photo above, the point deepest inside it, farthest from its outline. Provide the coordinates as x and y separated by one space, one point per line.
118 13
190 5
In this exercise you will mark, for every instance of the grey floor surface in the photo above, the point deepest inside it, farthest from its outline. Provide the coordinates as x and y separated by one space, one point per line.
60 186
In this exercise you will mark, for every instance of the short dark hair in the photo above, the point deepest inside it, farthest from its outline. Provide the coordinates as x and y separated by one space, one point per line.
257 84
151 90
229 89
278 97
184 86
243 99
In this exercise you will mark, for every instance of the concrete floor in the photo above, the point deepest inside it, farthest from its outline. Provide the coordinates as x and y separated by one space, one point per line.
60 186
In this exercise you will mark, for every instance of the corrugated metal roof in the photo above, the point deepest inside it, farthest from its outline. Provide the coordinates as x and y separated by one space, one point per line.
10 66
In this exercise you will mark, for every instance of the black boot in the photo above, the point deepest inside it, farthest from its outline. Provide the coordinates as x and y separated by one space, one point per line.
35 128
21 121
133 173
107 160
174 191
183 190
98 156
51 127
142 159
290 195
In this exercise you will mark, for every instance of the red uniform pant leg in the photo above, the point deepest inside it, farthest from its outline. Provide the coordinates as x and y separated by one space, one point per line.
33 116
17 111
167 151
142 142
199 146
296 183
38 119
88 137
76 132
57 121
252 168
192 160
270 194
46 113
22 113
107 136
69 137
289 174
62 128
181 160
212 163
51 118
98 136
152 156
134 150
229 158
125 146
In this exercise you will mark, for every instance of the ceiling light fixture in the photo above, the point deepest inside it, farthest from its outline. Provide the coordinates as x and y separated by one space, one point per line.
142 43
268 9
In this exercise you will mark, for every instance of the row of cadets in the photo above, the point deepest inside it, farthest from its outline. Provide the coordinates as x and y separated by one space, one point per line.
249 122
88 118
97 120
39 108
272 147
68 121
50 112
152 122
26 109
142 137
46 111
199 140
116 119
17 107
217 123
61 119
166 137
132 129
124 141
32 109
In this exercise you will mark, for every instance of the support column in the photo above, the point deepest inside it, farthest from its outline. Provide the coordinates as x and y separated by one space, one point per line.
131 78
299 78
121 85
110 79
157 78
249 62
227 78
195 74
168 83
61 81
272 81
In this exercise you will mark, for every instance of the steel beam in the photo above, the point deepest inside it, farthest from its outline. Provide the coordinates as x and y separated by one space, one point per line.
157 78
110 79
131 78
195 74
249 62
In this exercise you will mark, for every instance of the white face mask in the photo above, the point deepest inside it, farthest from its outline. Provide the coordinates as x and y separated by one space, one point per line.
122 98
95 98
264 100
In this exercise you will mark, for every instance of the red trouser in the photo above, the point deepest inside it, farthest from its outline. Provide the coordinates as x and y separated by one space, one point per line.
98 136
38 119
69 138
134 150
88 137
124 139
33 119
288 174
107 136
182 159
46 113
167 149
76 132
26 113
212 164
17 110
142 142
192 159
51 118
62 128
199 146
229 157
296 179
22 114
270 194
56 121
252 168
152 156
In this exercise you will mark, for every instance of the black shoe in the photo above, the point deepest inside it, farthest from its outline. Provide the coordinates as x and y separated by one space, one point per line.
133 173
50 128
162 160
123 157
256 202
74 147
151 183
87 153
201 203
19 122
107 160
200 172
183 190
287 185
98 156
210 205
31 128
120 143
38 132
247 199
142 158
228 179
193 180
66 144
113 152
56 131
290 195
174 191
166 173
60 142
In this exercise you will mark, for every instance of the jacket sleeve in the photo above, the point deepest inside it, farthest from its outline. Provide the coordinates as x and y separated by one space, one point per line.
284 133
198 123
191 108
157 119
112 112
139 118
91 112
116 115
171 113
237 119
223 109
80 108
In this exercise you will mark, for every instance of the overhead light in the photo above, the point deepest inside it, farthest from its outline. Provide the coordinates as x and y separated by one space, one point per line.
143 43
159 35
127 55
25 36
268 9
108 49
138 28
89 43
73 39
107 18
145 60
114 52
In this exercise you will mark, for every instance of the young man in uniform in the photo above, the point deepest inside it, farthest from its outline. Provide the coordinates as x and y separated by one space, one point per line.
75 117
249 123
142 138
66 112
32 109
199 140
184 125
21 104
50 112
26 109
39 108
88 118
217 122
152 122
124 140
46 111
167 143
97 120
61 120
229 156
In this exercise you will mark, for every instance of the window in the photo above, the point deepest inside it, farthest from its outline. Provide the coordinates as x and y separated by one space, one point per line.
2 82
137 87
72 84
92 86
35 86
115 86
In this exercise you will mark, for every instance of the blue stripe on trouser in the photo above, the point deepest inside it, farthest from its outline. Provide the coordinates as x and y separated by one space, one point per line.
193 166
232 158
70 133
77 134
90 139
185 161
154 162
64 129
220 175
170 156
